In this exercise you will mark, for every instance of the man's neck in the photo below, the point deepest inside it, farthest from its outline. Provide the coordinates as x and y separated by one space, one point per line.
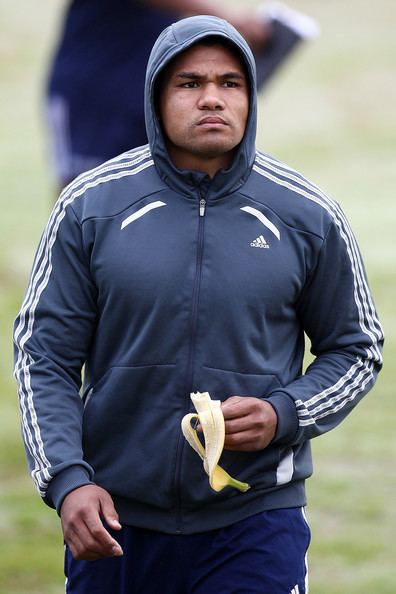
209 165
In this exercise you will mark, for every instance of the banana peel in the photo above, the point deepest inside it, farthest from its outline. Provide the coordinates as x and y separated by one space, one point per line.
209 415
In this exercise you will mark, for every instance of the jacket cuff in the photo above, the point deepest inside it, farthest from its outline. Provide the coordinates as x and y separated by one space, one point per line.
63 483
287 417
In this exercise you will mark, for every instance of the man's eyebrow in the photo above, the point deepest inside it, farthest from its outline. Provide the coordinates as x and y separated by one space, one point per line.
193 75
233 74
224 75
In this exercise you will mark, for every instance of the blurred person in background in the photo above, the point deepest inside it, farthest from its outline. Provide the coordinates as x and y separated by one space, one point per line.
196 262
96 79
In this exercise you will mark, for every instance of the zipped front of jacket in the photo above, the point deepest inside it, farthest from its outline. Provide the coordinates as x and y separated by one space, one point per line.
190 387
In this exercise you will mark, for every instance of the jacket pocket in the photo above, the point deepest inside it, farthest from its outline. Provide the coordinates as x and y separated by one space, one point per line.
130 429
259 469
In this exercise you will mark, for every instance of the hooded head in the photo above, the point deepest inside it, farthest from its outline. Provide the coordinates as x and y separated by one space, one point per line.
173 41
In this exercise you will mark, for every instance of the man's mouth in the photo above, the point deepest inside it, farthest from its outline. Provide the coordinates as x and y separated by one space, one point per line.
212 121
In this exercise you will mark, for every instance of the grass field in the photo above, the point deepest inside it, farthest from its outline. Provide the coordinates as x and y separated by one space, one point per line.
331 114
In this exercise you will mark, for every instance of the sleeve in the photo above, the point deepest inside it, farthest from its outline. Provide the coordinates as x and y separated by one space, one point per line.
52 335
338 315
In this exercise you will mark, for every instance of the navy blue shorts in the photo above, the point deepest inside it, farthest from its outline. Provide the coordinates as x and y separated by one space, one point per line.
264 554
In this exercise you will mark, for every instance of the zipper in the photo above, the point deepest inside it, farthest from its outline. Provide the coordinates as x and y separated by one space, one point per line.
191 352
196 293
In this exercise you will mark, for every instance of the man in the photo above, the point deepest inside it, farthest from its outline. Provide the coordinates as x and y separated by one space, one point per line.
194 263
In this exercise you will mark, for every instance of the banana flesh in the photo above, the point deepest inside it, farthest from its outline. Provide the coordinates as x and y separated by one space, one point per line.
210 417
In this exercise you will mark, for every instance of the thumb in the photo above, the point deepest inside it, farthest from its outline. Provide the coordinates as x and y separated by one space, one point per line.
109 512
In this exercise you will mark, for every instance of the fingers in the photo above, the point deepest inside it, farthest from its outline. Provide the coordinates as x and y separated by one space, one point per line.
109 513
86 543
250 423
236 407
241 443
238 424
97 538
81 516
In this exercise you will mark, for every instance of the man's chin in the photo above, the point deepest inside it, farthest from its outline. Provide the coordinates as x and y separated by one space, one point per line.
214 149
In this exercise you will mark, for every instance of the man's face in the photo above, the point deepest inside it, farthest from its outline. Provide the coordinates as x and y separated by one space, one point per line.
204 105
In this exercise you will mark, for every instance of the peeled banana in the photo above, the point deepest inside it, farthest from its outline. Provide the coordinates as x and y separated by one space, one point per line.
210 417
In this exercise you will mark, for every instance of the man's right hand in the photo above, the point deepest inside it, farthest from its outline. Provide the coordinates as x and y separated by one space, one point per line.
81 517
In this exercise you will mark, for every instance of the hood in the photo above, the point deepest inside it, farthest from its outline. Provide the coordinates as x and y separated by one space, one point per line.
174 40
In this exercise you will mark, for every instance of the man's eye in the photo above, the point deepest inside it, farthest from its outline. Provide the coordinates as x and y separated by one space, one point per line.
192 84
230 84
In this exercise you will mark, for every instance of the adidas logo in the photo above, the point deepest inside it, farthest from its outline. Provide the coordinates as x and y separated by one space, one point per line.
259 242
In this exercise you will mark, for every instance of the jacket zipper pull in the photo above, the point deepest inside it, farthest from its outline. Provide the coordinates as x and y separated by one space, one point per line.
202 205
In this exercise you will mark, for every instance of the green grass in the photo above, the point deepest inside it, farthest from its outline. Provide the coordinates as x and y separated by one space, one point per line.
330 114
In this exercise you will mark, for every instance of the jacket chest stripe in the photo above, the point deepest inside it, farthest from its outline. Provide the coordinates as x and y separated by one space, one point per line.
263 219
141 212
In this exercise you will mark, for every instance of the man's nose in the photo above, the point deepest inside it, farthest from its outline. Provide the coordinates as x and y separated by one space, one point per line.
211 98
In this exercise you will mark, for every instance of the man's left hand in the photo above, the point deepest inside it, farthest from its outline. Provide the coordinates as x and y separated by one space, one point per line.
250 423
